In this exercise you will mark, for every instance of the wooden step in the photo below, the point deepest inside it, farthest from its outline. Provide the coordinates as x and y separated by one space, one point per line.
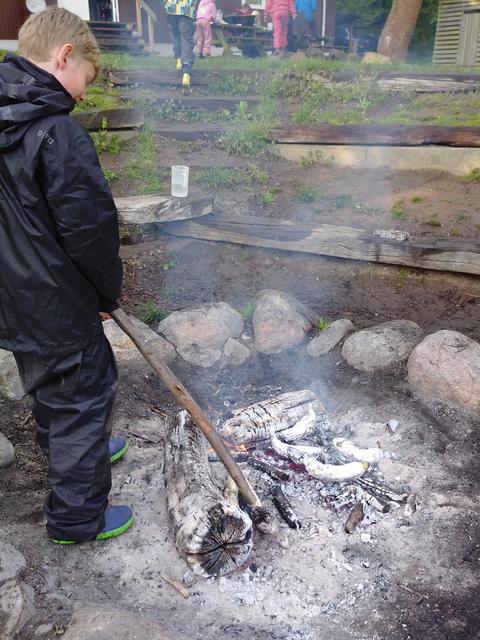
109 25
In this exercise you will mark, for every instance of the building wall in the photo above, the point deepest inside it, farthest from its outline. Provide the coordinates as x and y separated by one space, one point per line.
80 7
13 14
449 30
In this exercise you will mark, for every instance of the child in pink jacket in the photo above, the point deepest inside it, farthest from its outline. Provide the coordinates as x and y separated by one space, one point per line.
206 12
280 11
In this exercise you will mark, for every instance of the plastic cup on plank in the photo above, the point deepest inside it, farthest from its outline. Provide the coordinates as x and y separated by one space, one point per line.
180 181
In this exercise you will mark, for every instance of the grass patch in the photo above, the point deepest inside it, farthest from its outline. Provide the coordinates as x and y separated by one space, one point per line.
101 97
417 199
171 263
308 194
224 177
110 176
342 200
398 210
129 234
473 175
248 140
247 310
150 313
167 291
433 222
403 274
144 168
321 323
268 195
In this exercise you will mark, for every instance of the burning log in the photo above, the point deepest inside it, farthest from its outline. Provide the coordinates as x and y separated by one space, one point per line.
381 491
280 413
372 456
212 533
284 507
325 472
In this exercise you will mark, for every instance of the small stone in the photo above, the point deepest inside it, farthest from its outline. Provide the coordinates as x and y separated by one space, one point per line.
188 579
329 338
365 564
10 384
7 452
365 537
392 425
44 629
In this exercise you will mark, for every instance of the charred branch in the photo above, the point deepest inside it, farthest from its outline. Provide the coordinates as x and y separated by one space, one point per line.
284 507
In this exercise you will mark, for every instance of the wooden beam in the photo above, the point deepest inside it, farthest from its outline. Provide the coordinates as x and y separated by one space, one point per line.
372 134
161 208
202 103
120 118
461 256
161 77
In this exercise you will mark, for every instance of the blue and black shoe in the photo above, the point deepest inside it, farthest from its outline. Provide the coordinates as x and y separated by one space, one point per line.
117 520
117 447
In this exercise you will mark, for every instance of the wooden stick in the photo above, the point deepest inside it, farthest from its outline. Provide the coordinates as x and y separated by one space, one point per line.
176 585
189 404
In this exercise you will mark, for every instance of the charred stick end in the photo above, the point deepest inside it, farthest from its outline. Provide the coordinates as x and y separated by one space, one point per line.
354 518
285 509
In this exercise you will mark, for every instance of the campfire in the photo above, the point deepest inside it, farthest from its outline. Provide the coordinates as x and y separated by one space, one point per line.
288 447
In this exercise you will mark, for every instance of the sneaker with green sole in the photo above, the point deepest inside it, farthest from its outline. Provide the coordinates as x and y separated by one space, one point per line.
118 519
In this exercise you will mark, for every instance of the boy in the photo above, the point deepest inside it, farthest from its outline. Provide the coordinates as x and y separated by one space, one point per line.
180 20
59 268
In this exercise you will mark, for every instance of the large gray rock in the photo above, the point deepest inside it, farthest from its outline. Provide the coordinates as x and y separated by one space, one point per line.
105 624
124 348
279 321
445 366
7 455
381 346
11 562
16 608
329 338
200 334
10 385
234 354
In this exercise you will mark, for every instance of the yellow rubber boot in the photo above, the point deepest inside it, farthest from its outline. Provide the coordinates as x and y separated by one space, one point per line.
178 64
186 83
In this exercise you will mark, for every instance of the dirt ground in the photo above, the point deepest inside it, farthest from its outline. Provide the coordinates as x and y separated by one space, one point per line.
396 577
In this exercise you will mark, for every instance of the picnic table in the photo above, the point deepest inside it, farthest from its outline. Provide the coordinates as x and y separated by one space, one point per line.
252 41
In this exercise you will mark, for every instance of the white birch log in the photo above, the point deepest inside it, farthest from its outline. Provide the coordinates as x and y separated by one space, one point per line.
316 469
254 423
212 533
372 455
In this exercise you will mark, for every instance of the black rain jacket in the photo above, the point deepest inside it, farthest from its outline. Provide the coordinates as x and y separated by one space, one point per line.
59 241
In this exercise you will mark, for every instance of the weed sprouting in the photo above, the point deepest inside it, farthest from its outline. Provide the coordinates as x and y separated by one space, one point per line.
105 142
433 222
473 175
249 140
110 176
247 310
170 263
368 211
144 168
268 195
130 234
398 210
342 200
416 199
321 323
307 194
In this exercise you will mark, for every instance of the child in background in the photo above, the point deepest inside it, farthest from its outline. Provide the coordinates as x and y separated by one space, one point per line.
280 10
180 20
206 12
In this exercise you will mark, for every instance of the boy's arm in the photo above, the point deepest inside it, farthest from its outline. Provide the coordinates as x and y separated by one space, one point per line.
82 208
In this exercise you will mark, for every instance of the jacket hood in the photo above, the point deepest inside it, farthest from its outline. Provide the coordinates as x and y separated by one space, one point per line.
26 94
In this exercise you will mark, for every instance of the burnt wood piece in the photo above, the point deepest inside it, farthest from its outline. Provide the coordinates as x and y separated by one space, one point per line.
161 208
254 423
284 507
161 77
354 517
120 118
375 134
460 256
212 533
276 474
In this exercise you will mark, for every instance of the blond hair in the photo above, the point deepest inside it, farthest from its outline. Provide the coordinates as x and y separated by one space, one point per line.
54 27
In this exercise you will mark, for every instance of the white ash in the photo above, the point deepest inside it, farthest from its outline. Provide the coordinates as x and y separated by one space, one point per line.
392 234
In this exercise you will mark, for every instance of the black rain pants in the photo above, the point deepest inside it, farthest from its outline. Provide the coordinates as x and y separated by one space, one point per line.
73 397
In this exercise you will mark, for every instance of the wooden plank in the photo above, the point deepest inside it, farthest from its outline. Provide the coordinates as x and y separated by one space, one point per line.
453 77
161 208
421 85
121 118
203 103
459 256
161 77
371 134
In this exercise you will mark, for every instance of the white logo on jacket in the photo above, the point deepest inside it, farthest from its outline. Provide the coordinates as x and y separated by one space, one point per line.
45 135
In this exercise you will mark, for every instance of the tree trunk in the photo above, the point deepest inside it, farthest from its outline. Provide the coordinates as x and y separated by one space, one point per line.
211 532
399 28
